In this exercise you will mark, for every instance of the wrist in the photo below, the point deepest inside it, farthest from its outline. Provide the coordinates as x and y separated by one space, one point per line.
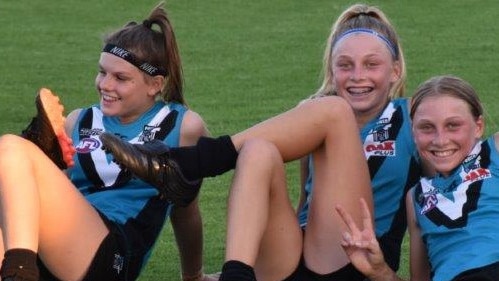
198 276
384 274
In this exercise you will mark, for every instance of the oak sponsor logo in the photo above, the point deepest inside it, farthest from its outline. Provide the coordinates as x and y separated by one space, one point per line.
386 148
477 174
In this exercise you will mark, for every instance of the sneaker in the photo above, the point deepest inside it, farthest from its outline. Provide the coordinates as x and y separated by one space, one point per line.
151 162
46 130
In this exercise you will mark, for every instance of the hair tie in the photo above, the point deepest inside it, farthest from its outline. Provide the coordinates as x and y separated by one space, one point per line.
147 23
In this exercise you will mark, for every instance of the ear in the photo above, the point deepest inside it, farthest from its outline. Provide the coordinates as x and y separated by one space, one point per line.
156 84
396 71
480 127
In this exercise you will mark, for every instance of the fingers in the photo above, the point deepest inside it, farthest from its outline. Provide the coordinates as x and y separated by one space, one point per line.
347 219
351 237
347 241
355 236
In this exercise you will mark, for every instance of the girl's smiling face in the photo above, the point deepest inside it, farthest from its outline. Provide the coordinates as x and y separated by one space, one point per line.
445 131
124 90
364 71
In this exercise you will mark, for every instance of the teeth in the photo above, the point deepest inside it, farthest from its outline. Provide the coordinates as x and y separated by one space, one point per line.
443 153
109 98
358 91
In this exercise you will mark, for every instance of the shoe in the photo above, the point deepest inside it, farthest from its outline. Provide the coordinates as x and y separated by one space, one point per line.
151 162
46 130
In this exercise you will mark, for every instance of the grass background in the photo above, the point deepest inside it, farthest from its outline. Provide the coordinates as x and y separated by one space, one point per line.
243 61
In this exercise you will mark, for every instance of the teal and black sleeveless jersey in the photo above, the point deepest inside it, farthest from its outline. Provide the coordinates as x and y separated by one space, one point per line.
394 168
130 203
459 215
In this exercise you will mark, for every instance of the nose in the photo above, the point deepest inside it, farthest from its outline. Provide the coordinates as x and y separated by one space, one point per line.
357 73
440 138
104 82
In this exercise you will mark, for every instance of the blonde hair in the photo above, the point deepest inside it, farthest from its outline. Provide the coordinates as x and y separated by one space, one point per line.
449 85
361 16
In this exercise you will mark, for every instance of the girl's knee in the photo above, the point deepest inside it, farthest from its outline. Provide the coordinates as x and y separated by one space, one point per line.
14 149
10 143
330 108
259 152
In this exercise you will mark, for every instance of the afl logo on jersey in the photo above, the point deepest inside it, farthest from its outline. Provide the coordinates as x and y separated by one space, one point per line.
430 201
87 145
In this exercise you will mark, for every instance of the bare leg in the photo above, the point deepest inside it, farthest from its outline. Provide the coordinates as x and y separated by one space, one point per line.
303 129
42 211
2 249
263 230
325 127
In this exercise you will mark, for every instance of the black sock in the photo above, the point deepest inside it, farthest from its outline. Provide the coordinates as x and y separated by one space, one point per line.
208 158
19 265
237 271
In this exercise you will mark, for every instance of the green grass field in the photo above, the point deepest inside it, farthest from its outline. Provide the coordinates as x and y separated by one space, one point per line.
244 61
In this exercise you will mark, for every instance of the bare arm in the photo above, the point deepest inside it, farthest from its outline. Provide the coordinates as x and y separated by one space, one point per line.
186 222
420 268
365 254
362 248
70 122
496 140
188 230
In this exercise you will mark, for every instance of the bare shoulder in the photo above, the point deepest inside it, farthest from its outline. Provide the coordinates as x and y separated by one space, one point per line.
71 119
193 127
409 202
303 101
496 140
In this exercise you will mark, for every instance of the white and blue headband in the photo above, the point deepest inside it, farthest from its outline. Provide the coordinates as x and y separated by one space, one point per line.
392 47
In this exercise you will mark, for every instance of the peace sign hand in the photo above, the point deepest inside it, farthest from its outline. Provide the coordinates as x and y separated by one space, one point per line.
361 245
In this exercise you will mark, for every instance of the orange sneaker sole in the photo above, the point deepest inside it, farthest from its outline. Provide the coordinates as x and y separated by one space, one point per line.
55 114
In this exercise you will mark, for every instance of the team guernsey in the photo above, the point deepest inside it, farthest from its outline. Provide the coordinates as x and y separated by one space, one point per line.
458 214
128 202
393 166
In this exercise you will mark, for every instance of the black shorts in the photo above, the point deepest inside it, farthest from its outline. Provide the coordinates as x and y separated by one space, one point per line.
122 253
348 272
108 262
111 262
487 273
